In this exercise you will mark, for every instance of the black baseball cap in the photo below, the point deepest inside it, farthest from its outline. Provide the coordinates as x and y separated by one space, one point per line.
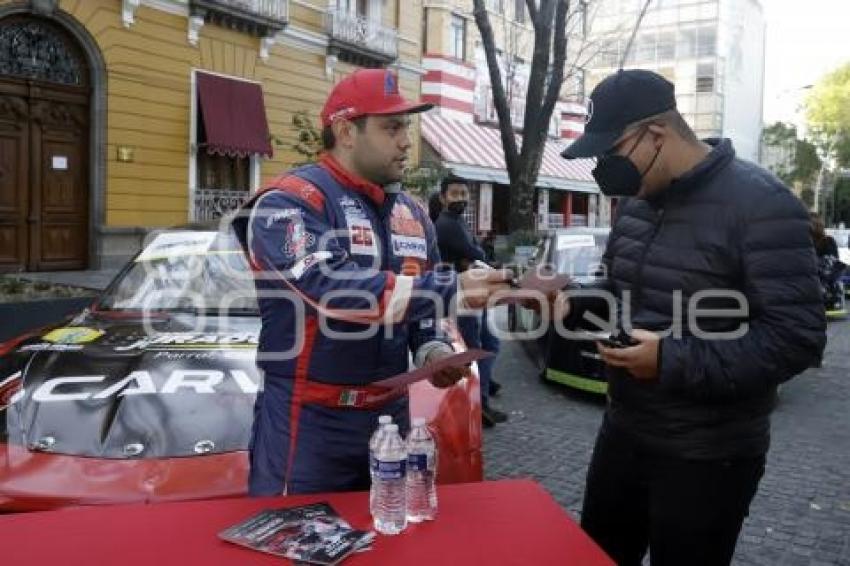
623 98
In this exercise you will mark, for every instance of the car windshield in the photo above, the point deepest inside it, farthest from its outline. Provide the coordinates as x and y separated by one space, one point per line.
186 271
579 254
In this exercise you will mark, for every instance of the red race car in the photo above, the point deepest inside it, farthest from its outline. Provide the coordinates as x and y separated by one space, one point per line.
143 397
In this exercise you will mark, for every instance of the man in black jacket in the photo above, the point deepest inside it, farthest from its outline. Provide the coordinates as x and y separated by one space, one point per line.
713 272
459 249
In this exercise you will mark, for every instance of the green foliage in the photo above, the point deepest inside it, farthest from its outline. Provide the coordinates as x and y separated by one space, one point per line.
828 114
806 165
308 138
423 179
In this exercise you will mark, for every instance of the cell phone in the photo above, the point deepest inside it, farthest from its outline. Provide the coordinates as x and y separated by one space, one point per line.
619 341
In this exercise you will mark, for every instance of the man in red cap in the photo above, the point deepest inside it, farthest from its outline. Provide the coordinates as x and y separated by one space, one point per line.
343 268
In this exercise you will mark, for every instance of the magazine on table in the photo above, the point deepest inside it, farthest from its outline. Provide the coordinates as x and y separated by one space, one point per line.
309 534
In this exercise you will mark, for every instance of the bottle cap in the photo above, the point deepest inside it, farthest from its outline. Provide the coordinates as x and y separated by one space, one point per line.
385 419
419 421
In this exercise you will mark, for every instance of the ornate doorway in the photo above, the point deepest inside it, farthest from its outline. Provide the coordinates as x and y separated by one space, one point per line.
44 142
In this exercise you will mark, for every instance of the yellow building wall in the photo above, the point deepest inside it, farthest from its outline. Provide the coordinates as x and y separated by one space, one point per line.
148 90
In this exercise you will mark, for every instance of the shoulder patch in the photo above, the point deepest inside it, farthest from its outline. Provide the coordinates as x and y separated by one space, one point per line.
300 189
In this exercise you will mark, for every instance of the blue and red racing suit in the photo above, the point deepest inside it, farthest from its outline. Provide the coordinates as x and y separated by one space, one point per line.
340 266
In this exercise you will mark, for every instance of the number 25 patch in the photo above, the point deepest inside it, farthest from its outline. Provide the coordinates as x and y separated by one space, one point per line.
362 237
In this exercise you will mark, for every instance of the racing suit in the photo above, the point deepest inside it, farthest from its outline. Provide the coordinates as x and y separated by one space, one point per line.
342 268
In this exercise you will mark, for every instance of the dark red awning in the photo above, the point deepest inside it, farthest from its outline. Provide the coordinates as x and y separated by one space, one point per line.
234 116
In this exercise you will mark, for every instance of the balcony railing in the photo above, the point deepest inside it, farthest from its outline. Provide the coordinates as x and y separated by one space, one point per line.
211 204
578 220
362 36
272 9
260 17
554 220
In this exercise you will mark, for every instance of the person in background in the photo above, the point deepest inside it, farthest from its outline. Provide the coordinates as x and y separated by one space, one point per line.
825 244
830 267
435 207
459 249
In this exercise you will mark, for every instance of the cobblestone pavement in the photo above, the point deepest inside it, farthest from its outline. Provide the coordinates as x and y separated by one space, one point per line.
801 515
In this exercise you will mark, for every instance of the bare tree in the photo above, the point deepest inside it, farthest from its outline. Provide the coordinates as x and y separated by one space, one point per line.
553 22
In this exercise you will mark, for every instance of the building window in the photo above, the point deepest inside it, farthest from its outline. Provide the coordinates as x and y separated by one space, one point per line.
705 77
458 37
645 48
686 46
706 42
519 11
666 46
223 172
424 30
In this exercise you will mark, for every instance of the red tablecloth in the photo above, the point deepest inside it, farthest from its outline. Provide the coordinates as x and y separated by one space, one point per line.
493 523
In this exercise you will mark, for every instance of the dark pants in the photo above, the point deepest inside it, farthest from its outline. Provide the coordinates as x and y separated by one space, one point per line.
490 343
685 511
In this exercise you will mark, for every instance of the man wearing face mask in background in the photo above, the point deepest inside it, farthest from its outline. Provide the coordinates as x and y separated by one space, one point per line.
682 446
458 248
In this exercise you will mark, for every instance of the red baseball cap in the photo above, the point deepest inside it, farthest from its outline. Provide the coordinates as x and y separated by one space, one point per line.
365 92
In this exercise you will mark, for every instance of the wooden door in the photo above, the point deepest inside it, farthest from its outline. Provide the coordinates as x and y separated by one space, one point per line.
44 140
58 222
14 182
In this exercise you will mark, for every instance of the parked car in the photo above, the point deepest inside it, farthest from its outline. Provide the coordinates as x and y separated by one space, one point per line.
148 396
573 362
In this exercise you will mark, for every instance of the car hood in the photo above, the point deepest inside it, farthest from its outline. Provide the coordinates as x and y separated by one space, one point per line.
113 385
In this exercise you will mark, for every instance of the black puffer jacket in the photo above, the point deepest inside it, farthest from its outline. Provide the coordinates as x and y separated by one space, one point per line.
726 225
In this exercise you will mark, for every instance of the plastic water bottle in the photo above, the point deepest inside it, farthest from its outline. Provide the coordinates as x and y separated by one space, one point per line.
421 473
390 514
383 421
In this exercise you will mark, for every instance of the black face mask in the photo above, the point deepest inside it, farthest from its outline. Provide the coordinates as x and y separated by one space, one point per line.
457 207
617 176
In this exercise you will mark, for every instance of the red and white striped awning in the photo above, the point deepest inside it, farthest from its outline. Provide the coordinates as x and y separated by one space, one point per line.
475 152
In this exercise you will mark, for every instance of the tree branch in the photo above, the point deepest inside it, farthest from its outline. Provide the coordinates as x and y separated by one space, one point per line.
532 9
634 32
539 64
499 97
560 54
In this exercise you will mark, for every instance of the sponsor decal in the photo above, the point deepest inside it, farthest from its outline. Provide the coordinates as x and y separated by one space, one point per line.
177 244
352 208
306 262
362 237
567 241
192 341
407 246
201 382
50 347
403 222
73 335
296 239
390 83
